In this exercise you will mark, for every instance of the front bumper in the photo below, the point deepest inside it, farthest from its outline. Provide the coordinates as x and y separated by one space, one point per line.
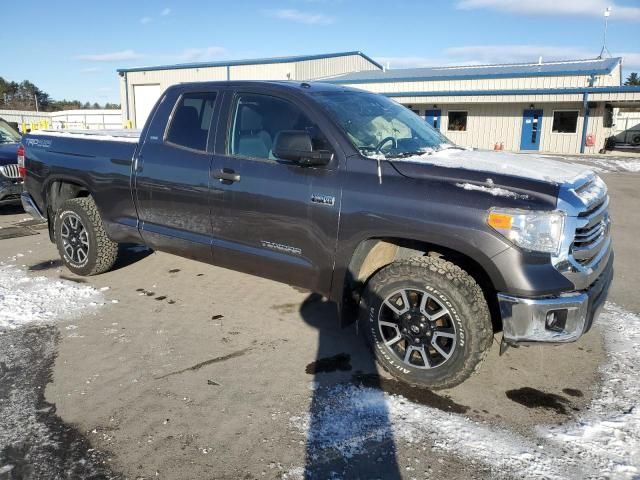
10 191
557 319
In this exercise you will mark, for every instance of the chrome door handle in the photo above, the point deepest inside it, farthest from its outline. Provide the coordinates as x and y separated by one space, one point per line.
226 175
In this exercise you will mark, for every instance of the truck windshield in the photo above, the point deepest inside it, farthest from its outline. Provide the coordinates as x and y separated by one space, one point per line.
378 126
8 134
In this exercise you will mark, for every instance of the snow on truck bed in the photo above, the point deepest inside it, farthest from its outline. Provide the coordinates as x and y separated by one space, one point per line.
124 135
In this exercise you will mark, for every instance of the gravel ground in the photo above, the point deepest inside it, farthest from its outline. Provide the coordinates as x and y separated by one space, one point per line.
169 368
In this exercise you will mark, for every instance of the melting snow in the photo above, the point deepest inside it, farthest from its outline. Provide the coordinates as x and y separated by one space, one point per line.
491 190
602 443
129 136
25 299
535 167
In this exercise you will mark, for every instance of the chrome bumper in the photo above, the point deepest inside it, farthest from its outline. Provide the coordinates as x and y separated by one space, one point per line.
9 190
559 319
30 207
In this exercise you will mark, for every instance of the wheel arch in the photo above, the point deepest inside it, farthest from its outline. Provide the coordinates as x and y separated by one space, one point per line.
373 254
57 191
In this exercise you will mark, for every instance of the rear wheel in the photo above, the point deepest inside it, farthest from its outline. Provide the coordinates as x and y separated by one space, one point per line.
82 242
428 322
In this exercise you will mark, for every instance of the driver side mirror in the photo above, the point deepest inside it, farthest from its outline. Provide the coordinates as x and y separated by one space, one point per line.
296 146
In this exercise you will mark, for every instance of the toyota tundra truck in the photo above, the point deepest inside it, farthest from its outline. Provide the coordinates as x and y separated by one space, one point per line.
346 193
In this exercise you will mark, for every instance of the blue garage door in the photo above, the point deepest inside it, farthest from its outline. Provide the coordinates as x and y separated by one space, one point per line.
433 118
531 130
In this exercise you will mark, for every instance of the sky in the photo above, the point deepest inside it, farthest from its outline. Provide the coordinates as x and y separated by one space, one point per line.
71 49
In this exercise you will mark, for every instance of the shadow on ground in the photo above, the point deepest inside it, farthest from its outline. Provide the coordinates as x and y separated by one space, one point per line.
36 443
333 366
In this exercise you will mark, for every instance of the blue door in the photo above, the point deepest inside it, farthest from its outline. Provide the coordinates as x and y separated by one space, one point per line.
531 130
433 118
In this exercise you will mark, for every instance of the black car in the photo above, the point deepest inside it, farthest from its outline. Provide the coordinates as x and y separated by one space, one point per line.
10 181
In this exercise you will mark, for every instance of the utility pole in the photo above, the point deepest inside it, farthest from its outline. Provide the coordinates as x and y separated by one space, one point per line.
607 12
36 99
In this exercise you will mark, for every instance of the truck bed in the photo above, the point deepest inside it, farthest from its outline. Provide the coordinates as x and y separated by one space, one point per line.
122 135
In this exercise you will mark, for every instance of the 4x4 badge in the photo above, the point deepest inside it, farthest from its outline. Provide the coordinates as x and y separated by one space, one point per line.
323 199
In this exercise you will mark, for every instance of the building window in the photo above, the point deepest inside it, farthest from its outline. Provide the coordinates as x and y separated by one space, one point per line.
565 121
457 122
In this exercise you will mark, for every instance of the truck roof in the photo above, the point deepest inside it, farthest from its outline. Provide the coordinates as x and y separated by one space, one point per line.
291 85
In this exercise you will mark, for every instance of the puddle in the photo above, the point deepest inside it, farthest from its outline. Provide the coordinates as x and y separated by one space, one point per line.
198 366
533 398
341 362
413 394
46 265
285 308
15 232
573 392
72 279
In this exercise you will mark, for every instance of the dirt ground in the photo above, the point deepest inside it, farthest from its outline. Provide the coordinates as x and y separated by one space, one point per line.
197 372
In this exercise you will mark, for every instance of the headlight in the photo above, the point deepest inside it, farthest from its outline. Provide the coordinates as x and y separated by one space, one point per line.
535 231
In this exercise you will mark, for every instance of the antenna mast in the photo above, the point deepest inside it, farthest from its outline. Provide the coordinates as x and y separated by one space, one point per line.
604 49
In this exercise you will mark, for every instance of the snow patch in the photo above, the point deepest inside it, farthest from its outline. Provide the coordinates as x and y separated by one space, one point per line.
129 136
604 442
25 299
534 167
491 189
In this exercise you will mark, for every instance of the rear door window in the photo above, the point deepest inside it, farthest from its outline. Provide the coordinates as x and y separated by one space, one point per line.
191 120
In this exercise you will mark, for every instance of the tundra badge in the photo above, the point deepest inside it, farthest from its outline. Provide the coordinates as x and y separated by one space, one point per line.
329 200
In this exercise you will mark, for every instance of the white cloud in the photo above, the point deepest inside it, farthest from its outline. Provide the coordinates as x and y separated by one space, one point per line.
298 16
165 12
201 54
588 8
630 61
111 56
145 20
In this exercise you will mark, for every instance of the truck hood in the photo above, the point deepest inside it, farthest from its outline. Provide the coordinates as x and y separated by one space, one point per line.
8 153
527 166
491 171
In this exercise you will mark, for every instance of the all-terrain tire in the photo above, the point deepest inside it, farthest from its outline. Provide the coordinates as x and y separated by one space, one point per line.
452 287
101 251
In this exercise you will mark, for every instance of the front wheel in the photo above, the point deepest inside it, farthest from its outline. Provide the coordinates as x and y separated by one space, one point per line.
428 322
82 243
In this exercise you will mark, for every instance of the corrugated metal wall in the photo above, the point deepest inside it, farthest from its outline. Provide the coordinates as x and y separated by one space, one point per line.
488 124
329 67
479 84
301 70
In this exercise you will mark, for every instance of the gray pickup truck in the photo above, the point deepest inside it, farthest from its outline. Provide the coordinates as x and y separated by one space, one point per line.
347 194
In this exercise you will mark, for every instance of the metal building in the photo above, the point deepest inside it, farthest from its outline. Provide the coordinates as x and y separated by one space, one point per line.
141 87
560 107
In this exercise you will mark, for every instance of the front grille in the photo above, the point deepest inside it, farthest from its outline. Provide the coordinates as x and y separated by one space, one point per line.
10 171
592 233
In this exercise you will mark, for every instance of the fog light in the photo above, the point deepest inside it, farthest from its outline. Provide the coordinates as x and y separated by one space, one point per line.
556 320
